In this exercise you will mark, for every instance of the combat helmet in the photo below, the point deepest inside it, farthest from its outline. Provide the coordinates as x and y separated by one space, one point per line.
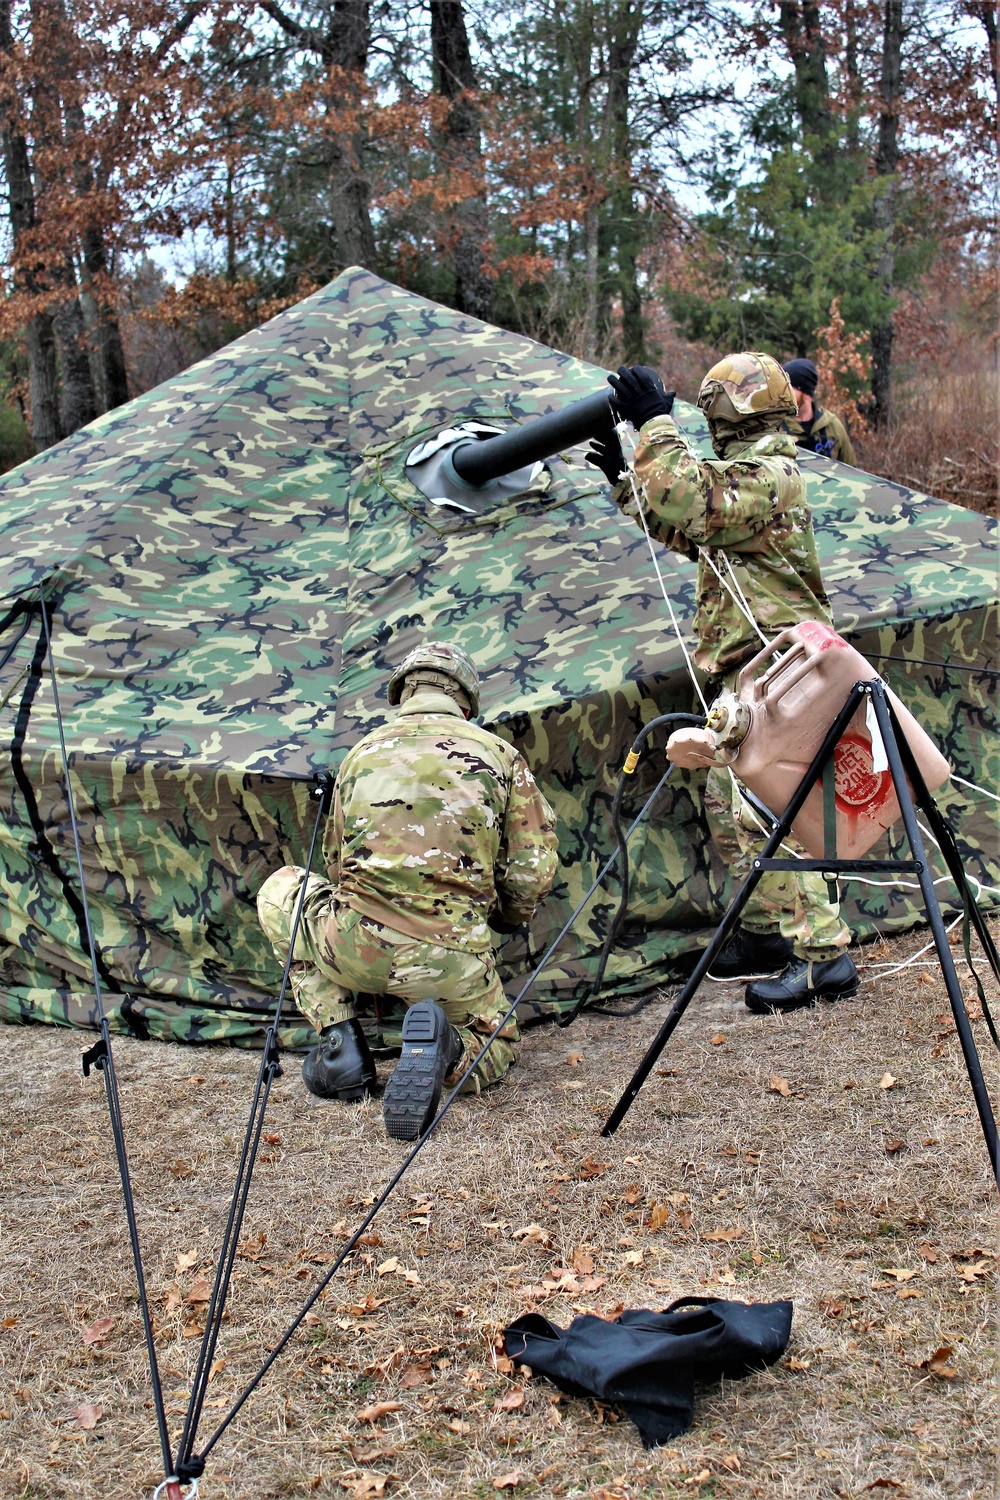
442 658
745 394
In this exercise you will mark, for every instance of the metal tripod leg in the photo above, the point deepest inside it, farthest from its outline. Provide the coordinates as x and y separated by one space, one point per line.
893 738
779 833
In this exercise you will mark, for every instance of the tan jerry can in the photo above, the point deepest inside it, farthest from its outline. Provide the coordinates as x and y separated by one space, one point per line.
792 707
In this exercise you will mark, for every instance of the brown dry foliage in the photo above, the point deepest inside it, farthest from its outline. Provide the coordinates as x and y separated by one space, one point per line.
871 1207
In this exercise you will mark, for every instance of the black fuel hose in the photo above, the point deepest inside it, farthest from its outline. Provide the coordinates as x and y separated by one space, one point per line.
631 761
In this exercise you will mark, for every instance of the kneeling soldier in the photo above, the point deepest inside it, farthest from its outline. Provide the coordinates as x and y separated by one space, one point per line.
438 832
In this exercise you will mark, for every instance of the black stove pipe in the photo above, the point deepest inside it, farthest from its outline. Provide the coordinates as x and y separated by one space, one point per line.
478 463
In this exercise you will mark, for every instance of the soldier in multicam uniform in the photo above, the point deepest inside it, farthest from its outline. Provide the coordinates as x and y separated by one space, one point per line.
813 427
744 516
438 833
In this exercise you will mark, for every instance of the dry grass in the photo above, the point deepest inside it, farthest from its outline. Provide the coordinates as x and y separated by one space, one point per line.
944 438
871 1207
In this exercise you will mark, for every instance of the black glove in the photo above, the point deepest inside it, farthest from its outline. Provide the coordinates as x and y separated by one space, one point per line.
607 456
639 394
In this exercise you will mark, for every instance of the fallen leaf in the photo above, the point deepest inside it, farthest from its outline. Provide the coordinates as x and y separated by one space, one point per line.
779 1086
388 1266
900 1273
718 1040
534 1234
508 1481
200 1291
364 1485
979 1268
574 1059
86 1416
380 1409
937 1363
893 1144
633 1257
884 1484
460 1427
9 1322
98 1332
583 1262
699 1478
658 1216
796 1364
589 1168
510 1402
184 1260
728 1235
731 1461
196 1078
886 1081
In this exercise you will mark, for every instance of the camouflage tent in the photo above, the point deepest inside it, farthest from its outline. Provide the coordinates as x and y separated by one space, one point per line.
235 561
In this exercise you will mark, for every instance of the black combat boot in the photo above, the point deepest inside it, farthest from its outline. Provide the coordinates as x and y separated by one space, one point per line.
803 983
342 1066
748 954
431 1049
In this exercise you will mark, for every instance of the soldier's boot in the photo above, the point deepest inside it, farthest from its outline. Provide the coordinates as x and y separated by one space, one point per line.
342 1066
748 954
431 1049
803 983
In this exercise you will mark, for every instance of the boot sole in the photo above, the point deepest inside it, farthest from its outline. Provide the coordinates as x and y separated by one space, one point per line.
413 1092
770 1008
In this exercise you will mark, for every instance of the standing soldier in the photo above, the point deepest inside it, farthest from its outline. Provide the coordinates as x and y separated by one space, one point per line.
744 516
813 427
438 833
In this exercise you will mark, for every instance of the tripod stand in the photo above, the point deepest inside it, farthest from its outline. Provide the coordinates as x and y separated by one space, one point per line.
902 765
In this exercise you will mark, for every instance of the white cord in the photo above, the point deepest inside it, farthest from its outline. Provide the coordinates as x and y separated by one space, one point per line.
732 583
624 429
912 960
972 785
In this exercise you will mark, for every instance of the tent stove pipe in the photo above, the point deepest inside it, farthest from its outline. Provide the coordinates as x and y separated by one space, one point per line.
478 462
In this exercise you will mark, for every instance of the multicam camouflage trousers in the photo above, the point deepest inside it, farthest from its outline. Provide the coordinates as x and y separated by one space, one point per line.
797 905
340 953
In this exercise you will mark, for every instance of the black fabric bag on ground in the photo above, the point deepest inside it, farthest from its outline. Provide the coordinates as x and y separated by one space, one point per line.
648 1362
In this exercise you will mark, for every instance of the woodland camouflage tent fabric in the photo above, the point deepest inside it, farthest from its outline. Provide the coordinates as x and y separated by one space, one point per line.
235 561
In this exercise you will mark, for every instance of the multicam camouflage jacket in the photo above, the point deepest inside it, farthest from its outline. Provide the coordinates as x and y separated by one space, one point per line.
827 436
749 510
437 824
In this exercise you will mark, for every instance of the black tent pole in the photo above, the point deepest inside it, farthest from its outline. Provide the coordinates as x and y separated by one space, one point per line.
888 726
743 895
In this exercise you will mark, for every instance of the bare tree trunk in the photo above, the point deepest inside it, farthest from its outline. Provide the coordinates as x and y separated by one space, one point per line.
43 378
79 397
626 20
344 46
851 70
50 50
801 27
461 149
884 208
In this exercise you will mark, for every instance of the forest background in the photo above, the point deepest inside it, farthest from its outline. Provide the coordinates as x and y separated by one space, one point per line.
626 180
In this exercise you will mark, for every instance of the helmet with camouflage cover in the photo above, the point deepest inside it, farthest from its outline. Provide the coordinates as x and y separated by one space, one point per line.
744 395
438 659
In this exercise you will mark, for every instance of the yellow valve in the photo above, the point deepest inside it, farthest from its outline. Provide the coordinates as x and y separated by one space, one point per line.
631 761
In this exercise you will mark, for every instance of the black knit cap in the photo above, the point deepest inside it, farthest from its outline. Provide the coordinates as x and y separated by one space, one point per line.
803 375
